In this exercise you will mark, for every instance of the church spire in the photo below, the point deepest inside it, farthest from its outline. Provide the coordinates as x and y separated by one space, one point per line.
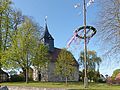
47 35
46 28
46 20
48 39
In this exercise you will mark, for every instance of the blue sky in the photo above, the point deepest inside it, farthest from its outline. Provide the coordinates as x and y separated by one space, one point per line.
62 20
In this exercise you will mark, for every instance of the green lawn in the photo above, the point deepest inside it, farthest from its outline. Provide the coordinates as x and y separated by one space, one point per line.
70 86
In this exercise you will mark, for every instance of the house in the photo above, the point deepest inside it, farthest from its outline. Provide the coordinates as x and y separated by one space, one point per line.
117 77
3 76
48 74
115 81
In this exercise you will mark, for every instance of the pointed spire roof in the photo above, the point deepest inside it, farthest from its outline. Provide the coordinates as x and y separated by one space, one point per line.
47 35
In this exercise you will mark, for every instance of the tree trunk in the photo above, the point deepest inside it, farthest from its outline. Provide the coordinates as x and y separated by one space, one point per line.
0 36
27 69
66 80
24 73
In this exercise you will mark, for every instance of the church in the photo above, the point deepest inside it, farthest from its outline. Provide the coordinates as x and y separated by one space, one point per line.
48 73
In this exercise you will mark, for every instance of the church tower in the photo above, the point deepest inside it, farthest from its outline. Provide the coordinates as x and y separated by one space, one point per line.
48 39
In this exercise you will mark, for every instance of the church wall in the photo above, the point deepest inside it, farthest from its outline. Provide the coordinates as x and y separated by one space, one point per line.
51 73
76 74
40 75
53 77
48 74
35 74
44 74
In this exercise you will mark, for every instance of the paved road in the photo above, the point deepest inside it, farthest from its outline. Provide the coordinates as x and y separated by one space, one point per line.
28 88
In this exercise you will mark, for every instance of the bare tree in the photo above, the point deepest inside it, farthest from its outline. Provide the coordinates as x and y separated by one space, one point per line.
109 25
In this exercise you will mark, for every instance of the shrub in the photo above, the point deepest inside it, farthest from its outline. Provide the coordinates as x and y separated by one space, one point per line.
101 80
16 78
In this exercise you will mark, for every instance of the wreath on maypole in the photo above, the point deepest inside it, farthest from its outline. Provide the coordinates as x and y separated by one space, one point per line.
87 27
91 31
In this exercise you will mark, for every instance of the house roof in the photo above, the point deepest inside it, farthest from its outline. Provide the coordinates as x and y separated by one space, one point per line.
54 56
2 72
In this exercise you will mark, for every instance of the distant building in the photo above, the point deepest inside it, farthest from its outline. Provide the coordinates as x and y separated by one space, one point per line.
3 76
115 81
117 77
48 74
102 78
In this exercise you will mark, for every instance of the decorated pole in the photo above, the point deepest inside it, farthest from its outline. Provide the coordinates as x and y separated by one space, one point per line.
89 32
85 46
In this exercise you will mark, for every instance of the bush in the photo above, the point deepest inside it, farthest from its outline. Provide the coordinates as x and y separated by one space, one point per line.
16 78
101 81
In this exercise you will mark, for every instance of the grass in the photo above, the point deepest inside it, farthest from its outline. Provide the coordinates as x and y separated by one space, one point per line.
70 86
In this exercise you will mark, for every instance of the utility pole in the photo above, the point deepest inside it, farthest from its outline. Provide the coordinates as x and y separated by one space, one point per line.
85 46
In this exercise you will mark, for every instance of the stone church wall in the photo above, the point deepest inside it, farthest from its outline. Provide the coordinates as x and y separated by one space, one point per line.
53 77
49 74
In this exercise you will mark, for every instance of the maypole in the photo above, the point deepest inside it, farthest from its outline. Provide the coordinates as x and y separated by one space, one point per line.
86 29
85 45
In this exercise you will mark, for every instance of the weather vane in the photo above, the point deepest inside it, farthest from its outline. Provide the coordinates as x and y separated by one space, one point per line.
46 19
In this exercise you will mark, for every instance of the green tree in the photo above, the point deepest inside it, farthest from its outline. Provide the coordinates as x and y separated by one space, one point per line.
9 19
115 72
22 46
19 39
40 57
93 62
65 64
4 23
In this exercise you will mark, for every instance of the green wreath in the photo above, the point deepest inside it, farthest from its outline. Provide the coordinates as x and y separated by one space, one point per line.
87 27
